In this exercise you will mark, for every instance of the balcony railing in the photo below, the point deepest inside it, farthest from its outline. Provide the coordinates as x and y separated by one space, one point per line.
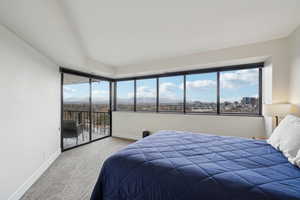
100 123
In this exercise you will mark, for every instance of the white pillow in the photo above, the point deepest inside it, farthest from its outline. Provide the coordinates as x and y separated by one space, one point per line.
290 143
297 159
279 131
286 138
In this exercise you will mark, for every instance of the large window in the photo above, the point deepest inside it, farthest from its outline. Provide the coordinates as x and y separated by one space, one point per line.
201 92
125 96
100 99
171 93
146 95
100 95
239 91
234 90
86 115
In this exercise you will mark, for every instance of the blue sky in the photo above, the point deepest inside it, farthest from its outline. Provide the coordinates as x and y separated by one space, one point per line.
200 87
125 89
80 91
237 84
171 88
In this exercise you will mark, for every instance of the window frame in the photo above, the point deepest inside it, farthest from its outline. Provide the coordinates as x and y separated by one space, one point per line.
259 96
217 70
65 71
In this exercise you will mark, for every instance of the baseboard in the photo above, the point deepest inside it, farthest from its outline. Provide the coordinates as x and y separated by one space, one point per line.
128 137
34 177
125 138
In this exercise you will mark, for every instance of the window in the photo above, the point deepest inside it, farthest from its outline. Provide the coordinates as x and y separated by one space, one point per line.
100 95
201 92
226 90
85 108
239 91
146 95
171 93
125 96
100 99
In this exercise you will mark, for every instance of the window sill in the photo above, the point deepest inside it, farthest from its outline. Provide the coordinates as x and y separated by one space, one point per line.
195 113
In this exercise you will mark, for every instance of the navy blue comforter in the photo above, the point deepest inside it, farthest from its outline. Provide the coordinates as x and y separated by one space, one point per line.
172 165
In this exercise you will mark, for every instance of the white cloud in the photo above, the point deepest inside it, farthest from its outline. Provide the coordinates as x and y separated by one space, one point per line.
239 78
68 92
100 95
200 84
71 94
143 91
169 90
68 89
167 87
100 92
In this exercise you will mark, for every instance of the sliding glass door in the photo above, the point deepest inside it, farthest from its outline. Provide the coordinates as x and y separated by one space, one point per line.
100 109
86 110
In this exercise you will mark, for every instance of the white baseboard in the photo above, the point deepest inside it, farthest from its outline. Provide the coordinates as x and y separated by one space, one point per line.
34 177
126 136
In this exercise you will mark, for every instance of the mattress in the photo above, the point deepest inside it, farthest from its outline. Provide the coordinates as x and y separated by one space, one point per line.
173 165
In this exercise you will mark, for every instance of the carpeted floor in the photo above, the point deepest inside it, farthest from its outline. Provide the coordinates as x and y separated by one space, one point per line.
73 175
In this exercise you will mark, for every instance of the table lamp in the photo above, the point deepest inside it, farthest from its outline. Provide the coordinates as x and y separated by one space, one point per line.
277 110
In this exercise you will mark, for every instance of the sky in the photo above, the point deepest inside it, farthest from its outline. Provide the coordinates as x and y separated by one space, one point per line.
80 92
200 87
239 83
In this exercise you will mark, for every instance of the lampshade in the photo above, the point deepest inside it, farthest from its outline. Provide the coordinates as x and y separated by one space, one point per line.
280 110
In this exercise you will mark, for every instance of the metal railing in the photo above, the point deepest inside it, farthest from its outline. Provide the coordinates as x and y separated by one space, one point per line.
100 121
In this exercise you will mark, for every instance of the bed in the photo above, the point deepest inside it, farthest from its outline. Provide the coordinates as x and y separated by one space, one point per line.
173 165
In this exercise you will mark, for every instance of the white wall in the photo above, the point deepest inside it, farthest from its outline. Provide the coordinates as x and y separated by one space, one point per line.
275 53
295 69
130 124
267 94
51 31
30 115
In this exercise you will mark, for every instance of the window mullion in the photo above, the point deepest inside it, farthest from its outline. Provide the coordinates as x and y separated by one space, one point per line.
134 98
184 93
260 92
115 96
157 94
218 93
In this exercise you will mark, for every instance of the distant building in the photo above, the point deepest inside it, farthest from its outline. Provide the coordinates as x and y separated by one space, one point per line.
249 100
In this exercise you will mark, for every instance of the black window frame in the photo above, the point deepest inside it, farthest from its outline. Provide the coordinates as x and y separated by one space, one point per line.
259 94
217 70
66 71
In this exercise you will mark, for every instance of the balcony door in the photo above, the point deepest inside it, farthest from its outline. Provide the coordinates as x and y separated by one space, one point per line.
100 99
86 110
